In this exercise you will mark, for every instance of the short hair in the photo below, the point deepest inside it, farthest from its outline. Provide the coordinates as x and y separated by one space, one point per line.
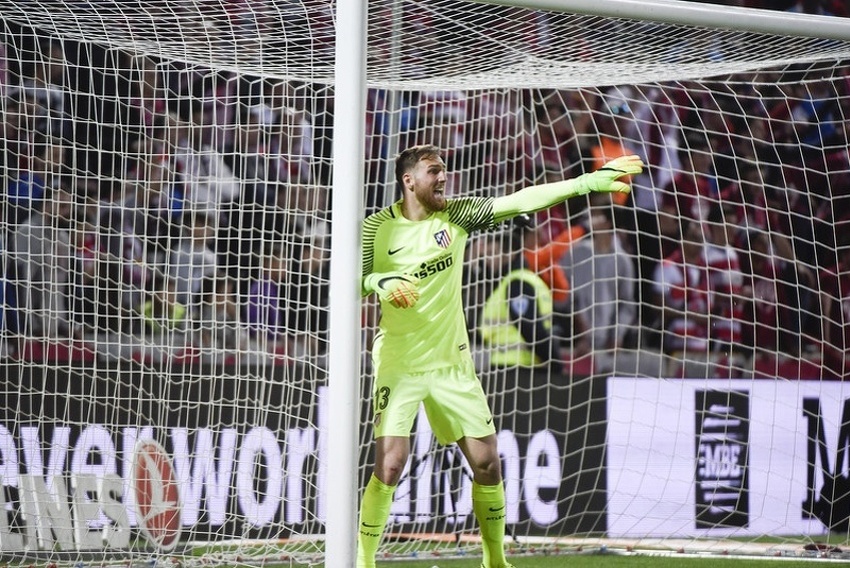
407 160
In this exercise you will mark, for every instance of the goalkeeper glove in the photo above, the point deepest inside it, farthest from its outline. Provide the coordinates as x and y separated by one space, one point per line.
605 179
400 290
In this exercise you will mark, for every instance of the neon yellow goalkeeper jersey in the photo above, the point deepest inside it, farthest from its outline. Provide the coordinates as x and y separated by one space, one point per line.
431 334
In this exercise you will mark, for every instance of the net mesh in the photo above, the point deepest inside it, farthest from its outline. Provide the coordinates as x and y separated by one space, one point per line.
165 247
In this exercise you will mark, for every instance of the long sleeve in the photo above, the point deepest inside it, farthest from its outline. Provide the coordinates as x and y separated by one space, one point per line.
536 198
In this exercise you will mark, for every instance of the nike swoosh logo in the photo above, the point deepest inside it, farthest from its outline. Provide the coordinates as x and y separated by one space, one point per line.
497 509
489 420
393 251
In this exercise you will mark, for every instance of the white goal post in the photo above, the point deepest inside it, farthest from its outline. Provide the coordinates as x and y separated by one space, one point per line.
344 350
701 14
183 346
352 73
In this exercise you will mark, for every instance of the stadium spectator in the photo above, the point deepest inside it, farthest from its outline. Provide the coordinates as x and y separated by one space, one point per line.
602 288
725 281
484 268
480 276
442 120
10 341
165 317
751 158
41 252
192 258
515 324
656 237
150 210
86 262
558 119
695 186
18 131
553 152
291 133
837 155
545 260
205 99
39 171
306 205
654 127
612 119
803 209
818 116
135 234
835 299
147 100
682 289
297 210
748 192
384 110
796 238
251 156
123 273
267 312
775 312
818 7
217 321
44 81
309 294
206 180
9 320
493 157
242 237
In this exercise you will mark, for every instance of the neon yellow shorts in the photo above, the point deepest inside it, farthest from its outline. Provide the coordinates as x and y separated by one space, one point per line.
454 403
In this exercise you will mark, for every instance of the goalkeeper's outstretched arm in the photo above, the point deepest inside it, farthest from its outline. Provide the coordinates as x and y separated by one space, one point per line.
538 197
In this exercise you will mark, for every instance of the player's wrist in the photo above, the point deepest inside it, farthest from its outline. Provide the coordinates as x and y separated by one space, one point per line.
397 288
370 283
380 281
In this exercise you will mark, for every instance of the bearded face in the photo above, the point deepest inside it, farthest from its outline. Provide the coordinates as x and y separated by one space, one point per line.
428 182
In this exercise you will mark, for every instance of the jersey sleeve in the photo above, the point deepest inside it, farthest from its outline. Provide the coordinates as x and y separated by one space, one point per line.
370 227
472 213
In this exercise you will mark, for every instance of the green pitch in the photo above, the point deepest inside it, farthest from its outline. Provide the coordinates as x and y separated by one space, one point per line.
607 561
806 554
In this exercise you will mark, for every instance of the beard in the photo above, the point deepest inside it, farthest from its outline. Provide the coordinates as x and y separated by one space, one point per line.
433 201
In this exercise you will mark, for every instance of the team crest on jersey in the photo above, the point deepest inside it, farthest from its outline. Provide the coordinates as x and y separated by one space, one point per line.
443 238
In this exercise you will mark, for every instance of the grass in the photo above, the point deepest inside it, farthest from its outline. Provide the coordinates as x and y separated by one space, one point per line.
620 561
775 553
616 561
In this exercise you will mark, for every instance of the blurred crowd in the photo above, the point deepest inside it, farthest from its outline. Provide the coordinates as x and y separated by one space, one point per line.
820 7
153 202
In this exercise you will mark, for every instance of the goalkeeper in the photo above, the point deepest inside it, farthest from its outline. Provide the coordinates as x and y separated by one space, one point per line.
412 253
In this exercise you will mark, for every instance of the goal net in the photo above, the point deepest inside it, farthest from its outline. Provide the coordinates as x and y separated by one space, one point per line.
165 242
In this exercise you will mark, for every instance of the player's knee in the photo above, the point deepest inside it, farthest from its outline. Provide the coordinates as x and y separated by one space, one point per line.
389 471
389 475
488 472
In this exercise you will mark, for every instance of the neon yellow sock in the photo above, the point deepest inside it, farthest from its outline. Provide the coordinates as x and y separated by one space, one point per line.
374 511
488 503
